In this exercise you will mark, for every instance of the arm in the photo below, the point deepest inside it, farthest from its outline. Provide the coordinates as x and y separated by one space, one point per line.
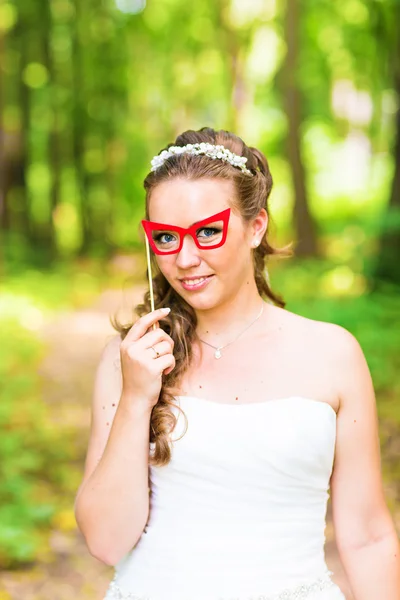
112 503
365 534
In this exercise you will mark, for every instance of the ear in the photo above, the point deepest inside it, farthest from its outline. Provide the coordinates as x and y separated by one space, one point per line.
258 228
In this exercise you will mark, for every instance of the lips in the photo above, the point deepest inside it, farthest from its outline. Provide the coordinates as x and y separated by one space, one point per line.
189 279
194 279
195 283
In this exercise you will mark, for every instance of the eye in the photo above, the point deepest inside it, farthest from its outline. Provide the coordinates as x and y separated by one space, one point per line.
210 231
164 238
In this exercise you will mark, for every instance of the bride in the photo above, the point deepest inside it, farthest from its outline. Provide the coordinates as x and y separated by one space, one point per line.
216 442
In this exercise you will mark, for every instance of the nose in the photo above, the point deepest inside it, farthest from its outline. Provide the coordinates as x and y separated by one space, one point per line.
188 256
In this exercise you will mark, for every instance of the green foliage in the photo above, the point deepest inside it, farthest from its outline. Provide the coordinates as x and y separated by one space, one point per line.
40 455
31 295
323 291
78 98
33 455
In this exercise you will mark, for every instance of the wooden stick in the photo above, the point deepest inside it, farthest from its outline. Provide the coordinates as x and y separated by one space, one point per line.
150 276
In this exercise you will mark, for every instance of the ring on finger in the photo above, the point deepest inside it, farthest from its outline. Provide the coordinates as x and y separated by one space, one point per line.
157 353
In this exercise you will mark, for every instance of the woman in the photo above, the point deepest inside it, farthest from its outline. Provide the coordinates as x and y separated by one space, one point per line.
250 412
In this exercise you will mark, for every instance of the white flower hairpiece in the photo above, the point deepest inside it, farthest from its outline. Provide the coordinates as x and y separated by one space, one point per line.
210 150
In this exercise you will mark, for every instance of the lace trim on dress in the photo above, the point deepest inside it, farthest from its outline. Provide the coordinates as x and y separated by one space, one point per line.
300 592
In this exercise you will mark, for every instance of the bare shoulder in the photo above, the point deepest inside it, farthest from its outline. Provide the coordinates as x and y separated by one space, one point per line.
345 358
328 337
333 351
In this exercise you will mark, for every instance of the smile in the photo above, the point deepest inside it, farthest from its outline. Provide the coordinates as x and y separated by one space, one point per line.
195 284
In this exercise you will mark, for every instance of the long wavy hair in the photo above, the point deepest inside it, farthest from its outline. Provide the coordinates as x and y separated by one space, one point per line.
251 196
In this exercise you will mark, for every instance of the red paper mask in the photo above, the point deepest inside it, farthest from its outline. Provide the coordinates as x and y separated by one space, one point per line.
207 234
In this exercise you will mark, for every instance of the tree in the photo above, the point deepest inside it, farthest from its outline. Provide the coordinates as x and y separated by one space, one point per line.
387 32
293 103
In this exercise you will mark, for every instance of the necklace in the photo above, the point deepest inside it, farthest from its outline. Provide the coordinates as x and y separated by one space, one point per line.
217 353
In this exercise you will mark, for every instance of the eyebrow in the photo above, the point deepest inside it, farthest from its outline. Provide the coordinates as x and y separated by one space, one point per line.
200 221
192 225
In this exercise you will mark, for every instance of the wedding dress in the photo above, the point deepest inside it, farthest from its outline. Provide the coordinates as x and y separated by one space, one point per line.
240 511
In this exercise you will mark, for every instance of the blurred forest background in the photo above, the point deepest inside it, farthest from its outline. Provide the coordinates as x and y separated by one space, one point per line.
90 91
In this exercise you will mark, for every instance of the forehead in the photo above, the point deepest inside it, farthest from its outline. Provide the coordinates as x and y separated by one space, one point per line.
183 202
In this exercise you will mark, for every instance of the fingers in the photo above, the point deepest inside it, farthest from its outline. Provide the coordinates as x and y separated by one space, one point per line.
156 336
163 347
164 362
144 323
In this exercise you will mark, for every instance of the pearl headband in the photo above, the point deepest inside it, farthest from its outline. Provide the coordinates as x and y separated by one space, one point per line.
203 148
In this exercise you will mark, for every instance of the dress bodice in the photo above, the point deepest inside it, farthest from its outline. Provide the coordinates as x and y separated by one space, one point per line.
239 512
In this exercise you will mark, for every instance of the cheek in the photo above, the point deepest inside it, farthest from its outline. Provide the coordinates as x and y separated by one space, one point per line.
165 265
226 264
236 254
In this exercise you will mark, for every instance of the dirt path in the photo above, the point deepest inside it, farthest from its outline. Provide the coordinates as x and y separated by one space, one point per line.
75 341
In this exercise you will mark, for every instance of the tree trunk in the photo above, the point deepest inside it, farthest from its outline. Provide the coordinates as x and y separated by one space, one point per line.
15 149
303 221
3 213
53 139
388 266
233 47
79 129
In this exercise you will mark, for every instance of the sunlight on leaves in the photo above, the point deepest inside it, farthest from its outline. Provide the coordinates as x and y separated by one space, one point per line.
8 16
35 75
131 6
265 55
342 281
64 520
242 13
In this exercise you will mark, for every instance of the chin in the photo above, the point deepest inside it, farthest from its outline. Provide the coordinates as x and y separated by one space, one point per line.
202 305
200 301
205 302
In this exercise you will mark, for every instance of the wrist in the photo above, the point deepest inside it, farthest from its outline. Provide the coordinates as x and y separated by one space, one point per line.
135 405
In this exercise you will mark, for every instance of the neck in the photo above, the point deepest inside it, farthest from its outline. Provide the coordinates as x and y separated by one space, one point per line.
219 324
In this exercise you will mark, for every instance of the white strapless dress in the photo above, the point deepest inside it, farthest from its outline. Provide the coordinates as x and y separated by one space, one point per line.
239 512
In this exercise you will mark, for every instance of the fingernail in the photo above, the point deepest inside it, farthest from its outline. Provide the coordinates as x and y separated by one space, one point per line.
166 310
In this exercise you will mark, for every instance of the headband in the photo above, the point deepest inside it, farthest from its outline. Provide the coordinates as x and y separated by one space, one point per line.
203 148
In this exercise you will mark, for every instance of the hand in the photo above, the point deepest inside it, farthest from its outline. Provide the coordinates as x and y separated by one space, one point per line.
141 368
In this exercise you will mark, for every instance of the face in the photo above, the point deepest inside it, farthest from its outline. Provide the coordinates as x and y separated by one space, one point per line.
225 267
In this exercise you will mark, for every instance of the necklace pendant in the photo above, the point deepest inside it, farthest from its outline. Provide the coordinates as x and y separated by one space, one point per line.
217 353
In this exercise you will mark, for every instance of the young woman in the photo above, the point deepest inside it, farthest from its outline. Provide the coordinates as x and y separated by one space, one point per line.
236 415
